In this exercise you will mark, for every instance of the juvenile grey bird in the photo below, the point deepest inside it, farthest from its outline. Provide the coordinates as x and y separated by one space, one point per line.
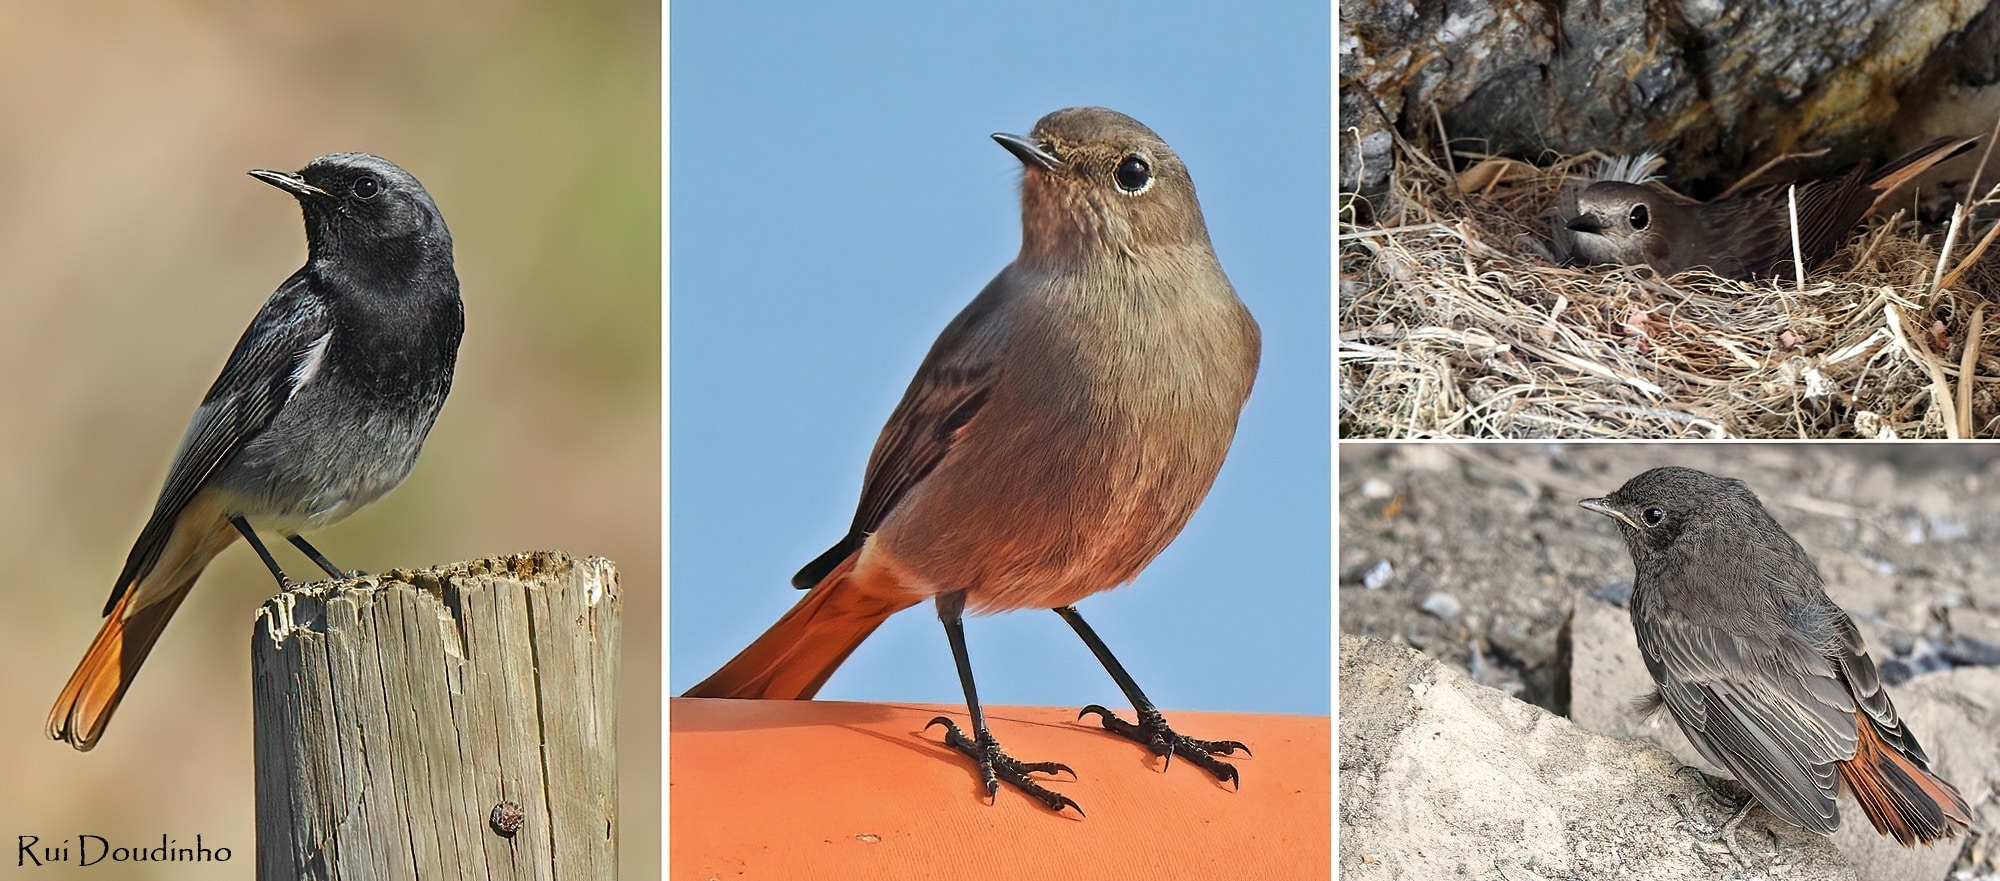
1745 235
1763 673
1059 434
321 409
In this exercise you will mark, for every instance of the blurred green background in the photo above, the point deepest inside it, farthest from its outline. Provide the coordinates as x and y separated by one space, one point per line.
133 251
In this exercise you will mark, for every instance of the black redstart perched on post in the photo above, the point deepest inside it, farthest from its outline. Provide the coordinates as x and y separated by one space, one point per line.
1059 434
321 409
1745 235
1765 675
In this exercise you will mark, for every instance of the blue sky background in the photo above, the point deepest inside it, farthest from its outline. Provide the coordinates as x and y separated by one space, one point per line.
835 200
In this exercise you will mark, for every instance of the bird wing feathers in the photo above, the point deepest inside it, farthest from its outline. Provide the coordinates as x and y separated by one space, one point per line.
276 354
936 411
1776 720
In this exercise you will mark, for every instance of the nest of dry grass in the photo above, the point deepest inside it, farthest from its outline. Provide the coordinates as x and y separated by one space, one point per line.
1455 322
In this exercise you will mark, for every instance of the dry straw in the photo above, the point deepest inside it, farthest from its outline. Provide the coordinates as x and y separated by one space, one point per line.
1454 322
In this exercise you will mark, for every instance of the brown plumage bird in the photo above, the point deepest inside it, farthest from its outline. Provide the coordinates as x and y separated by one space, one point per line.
1061 431
1764 674
1746 235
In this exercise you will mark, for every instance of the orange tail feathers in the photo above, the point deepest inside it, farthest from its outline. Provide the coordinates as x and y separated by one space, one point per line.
99 682
794 658
1899 795
1910 166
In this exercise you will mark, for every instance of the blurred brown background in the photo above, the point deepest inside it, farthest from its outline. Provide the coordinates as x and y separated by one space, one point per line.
133 251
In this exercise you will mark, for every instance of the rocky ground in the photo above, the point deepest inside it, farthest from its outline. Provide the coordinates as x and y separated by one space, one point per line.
1479 556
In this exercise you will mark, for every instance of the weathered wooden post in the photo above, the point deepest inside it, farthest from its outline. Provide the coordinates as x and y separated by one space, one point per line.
455 722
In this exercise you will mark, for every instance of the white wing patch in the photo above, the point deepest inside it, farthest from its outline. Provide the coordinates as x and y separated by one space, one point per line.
309 364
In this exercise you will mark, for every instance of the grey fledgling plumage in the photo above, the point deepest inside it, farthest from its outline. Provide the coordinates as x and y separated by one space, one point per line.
1746 235
1762 672
321 409
1061 431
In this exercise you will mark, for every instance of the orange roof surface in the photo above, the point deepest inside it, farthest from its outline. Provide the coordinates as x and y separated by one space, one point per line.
831 790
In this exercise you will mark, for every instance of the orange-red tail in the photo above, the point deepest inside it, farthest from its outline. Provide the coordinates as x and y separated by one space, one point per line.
1903 169
99 682
144 607
795 657
1899 795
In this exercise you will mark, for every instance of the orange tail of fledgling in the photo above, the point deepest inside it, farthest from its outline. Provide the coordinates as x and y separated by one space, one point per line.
1908 167
99 682
1898 793
794 658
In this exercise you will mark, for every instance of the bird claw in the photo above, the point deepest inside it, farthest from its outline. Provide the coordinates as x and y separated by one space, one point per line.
1725 833
1153 733
995 767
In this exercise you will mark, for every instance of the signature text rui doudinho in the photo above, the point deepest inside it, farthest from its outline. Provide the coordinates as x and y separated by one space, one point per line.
91 850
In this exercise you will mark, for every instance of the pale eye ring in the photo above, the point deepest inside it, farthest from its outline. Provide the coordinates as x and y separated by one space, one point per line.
1652 516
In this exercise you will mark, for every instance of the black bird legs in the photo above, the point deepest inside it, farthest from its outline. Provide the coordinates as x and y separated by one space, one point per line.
994 764
263 553
1152 731
320 560
277 571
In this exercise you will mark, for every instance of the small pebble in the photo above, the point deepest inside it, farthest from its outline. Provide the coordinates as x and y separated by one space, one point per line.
1901 643
1442 605
1378 575
1374 488
1971 651
1894 672
1947 530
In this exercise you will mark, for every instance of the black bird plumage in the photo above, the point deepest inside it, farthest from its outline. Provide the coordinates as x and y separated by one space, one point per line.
321 408
1766 676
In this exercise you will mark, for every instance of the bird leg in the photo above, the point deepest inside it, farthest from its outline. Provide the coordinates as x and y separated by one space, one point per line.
262 553
1726 833
995 765
1151 731
320 559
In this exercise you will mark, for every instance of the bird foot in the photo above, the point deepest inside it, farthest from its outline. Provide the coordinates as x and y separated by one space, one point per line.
995 766
1152 733
1726 833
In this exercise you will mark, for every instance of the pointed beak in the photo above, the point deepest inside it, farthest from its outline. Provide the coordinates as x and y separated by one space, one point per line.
1604 506
1591 224
290 183
1027 151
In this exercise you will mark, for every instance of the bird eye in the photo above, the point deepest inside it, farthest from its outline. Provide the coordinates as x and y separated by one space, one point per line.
366 187
1640 216
1653 516
1134 175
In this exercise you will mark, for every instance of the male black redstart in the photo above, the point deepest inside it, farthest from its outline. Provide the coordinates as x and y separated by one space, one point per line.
1765 675
321 409
1746 235
1059 434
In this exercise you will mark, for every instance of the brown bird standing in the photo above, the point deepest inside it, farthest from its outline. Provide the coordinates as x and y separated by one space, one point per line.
1764 674
1061 431
1746 235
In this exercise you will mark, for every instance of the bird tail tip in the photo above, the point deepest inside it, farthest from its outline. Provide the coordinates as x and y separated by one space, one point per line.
1899 794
